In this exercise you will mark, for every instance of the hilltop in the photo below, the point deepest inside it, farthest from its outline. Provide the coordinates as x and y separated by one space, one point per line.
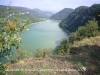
62 14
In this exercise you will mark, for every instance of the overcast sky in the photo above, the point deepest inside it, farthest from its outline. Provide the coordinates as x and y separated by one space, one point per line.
49 5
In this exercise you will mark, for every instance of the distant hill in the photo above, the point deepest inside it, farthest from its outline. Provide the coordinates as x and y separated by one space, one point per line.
62 14
43 14
23 13
80 16
34 15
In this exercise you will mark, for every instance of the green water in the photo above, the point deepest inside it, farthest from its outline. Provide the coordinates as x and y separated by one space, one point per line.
42 36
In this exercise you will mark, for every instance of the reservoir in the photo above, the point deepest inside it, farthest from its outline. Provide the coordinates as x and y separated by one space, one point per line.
42 35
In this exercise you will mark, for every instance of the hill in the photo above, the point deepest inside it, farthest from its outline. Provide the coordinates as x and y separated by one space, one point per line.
24 13
43 14
80 16
62 14
83 59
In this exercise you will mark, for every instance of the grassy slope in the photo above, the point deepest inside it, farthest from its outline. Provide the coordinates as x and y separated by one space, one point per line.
79 57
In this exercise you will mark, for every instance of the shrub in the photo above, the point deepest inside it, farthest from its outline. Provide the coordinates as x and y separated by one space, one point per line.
19 55
43 53
89 30
63 47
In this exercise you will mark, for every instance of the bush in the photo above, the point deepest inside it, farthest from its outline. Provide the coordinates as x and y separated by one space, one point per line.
63 47
89 30
43 53
19 55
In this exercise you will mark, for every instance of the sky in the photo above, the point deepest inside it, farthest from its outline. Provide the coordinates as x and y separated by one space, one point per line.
50 5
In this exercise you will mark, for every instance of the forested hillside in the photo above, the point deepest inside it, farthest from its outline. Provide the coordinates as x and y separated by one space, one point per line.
80 16
22 12
62 14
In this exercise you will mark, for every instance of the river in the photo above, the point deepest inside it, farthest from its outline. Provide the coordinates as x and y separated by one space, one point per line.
42 35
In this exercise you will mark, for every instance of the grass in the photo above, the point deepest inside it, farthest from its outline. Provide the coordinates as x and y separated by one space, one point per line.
43 66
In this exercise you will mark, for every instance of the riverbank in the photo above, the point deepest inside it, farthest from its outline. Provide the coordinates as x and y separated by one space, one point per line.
33 24
64 29
38 22
55 20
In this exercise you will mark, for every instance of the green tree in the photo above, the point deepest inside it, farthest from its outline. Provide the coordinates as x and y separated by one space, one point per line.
73 37
19 54
63 47
43 53
91 28
9 36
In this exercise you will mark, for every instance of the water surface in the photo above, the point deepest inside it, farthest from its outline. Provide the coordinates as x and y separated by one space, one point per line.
42 36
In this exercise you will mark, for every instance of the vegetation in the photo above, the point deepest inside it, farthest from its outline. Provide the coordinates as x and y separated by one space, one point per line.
43 53
91 29
10 28
61 15
63 47
12 23
83 56
80 16
20 11
90 49
19 55
84 46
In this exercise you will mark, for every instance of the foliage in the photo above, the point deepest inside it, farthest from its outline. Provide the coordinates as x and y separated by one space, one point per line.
73 37
89 30
80 16
43 53
88 48
10 30
62 14
19 55
19 11
2 69
63 47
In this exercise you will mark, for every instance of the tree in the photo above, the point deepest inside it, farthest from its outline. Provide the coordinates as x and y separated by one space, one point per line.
92 28
63 47
9 36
